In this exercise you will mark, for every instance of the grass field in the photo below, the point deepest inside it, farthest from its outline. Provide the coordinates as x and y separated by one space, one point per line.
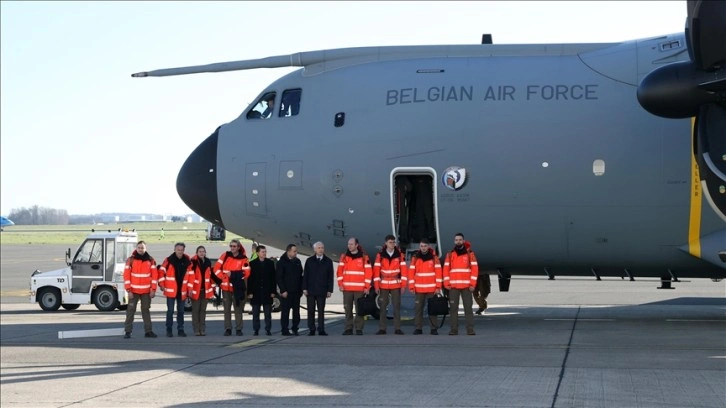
75 234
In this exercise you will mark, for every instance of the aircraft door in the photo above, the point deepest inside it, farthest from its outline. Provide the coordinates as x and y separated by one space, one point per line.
414 210
87 266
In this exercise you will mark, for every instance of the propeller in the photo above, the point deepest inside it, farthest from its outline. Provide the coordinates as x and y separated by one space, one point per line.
698 88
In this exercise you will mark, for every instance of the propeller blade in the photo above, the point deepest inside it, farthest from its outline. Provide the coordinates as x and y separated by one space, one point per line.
706 33
717 85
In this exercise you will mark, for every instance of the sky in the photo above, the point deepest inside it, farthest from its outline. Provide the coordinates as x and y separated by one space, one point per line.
78 133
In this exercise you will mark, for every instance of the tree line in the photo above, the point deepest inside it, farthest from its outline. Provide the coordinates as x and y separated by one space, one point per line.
36 215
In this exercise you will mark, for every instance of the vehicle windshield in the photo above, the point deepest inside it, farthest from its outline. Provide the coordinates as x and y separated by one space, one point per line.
124 251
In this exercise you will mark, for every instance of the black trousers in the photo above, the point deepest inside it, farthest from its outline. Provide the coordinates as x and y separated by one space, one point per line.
318 301
286 304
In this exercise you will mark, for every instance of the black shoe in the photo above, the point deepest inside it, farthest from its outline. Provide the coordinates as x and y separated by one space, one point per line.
238 332
479 311
228 332
256 333
453 333
295 333
381 332
312 333
286 333
434 332
181 334
418 331
169 333
150 334
348 332
127 335
359 332
322 333
471 333
398 331
267 332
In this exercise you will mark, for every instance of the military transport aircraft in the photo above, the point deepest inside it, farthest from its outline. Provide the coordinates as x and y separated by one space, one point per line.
557 159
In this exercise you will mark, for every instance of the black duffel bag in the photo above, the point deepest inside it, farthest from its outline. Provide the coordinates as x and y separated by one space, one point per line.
366 305
437 306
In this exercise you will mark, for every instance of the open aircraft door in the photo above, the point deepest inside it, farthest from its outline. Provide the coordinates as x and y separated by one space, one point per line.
414 210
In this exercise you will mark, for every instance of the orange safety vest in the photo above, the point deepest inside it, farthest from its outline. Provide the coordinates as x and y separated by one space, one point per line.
140 274
228 263
354 272
390 272
167 279
460 271
424 276
199 276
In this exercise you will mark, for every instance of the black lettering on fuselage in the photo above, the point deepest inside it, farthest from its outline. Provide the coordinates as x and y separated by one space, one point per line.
432 94
499 93
562 92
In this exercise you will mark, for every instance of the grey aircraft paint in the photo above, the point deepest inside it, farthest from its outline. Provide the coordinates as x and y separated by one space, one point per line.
540 154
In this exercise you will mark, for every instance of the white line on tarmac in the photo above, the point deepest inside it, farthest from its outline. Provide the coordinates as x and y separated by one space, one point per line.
72 334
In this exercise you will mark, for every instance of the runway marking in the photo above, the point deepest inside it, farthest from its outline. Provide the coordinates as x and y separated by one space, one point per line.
15 293
583 320
72 334
248 343
696 320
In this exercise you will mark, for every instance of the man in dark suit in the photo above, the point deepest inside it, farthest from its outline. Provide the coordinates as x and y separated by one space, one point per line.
262 289
289 280
317 286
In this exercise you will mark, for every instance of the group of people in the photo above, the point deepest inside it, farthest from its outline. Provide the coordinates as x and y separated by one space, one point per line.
240 279
258 280
425 277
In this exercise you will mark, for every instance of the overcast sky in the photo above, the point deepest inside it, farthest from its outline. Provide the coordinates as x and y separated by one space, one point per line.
78 133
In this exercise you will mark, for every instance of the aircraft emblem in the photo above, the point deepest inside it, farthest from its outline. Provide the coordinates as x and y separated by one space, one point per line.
454 178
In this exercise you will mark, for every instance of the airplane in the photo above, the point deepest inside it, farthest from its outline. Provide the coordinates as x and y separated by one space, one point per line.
582 159
5 222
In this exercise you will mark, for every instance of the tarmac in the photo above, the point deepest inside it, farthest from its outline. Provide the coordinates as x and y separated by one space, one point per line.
561 343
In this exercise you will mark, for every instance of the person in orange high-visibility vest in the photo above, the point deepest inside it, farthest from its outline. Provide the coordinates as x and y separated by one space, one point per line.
390 277
202 290
233 269
354 280
176 278
140 282
460 276
424 281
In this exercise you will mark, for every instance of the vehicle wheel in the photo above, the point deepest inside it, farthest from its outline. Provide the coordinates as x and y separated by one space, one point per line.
50 299
70 306
105 298
275 304
188 305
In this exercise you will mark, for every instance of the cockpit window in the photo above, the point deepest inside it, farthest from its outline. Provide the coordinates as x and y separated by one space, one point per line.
290 105
264 107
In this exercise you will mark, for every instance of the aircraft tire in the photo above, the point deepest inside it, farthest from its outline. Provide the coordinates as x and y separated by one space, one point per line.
71 306
105 298
188 305
50 299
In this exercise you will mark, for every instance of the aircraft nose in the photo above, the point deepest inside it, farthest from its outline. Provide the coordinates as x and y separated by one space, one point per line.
197 180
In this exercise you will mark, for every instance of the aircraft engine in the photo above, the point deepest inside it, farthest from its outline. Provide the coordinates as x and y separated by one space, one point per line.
698 88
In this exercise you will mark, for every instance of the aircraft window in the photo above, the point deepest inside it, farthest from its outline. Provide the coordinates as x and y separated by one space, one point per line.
91 251
264 107
290 105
